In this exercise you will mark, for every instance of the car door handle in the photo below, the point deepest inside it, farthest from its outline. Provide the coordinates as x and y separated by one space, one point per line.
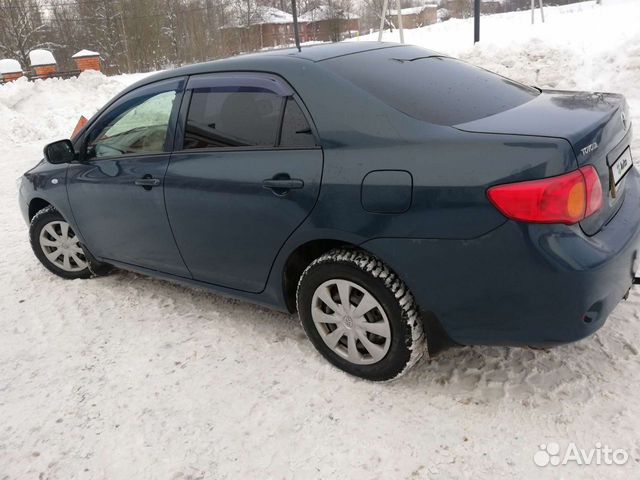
147 182
282 185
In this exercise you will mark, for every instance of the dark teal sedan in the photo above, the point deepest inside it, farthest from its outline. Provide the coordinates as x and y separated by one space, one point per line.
386 192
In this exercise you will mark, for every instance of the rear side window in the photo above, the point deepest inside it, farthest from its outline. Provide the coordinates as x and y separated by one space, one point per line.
233 117
435 89
296 132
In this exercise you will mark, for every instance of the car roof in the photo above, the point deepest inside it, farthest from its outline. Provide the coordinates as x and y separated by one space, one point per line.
311 53
325 51
256 61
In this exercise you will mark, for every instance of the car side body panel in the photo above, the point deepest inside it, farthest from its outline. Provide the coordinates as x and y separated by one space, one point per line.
487 279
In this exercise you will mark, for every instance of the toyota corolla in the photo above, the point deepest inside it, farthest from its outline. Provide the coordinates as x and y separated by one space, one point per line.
369 187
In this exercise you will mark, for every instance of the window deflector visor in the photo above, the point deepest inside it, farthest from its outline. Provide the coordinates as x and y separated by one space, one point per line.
255 81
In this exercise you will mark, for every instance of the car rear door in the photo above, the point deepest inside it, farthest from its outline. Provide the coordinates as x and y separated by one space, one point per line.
116 190
244 175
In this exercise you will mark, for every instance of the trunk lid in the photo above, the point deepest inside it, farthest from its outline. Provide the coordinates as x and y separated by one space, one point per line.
596 125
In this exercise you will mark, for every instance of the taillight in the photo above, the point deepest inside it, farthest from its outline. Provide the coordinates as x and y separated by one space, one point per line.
564 199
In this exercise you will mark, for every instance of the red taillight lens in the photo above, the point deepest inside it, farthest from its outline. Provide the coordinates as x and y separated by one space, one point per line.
564 199
594 190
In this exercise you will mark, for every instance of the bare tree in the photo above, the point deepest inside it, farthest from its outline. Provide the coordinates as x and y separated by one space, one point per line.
21 29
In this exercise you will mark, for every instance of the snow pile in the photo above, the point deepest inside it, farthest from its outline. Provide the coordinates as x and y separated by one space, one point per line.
41 57
126 377
47 110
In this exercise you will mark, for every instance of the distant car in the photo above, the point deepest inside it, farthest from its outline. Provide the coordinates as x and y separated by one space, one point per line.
368 186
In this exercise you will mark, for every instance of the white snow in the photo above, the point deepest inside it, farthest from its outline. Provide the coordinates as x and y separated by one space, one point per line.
8 65
40 57
127 377
86 53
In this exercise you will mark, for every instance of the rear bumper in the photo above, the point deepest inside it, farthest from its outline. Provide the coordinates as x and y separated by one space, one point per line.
522 284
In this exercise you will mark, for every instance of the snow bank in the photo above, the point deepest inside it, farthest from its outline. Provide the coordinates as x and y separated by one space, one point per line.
47 110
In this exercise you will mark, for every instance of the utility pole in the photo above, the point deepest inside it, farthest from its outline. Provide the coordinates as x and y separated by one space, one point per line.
476 21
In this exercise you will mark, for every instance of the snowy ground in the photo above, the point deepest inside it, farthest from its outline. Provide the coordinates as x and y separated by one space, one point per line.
126 377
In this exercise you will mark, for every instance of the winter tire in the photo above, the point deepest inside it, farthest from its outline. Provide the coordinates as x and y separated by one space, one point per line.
360 315
58 248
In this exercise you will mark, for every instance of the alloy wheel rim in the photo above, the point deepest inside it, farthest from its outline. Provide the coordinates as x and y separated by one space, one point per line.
351 322
61 246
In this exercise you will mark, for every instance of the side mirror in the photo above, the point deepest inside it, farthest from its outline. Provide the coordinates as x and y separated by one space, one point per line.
61 151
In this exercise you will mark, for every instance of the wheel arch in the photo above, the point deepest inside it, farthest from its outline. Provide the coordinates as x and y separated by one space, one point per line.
36 204
299 259
302 256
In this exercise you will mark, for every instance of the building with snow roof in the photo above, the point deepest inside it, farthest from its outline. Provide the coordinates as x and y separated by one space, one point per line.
458 9
266 27
415 17
328 24
87 60
10 70
43 62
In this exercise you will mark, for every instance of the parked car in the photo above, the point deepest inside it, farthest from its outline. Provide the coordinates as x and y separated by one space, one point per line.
368 186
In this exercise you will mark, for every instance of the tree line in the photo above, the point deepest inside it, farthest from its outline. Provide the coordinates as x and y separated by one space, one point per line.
144 35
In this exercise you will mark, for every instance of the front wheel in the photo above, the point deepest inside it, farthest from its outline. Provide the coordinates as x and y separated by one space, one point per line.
57 246
360 315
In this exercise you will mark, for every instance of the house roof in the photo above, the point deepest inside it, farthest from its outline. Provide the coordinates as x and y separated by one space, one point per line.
326 12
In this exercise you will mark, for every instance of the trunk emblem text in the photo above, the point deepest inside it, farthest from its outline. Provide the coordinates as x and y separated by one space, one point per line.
589 148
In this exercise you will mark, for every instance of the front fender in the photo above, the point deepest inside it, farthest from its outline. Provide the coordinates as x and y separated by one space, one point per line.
48 183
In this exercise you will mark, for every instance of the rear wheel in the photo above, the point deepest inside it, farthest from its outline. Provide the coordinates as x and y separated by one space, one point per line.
360 315
58 248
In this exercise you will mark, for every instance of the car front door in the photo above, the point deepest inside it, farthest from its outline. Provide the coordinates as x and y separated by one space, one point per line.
245 174
116 189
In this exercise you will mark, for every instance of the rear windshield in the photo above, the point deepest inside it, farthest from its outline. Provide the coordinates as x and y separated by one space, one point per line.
440 90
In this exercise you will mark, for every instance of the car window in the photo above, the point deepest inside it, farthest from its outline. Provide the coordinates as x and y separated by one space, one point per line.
295 128
437 89
138 126
233 117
